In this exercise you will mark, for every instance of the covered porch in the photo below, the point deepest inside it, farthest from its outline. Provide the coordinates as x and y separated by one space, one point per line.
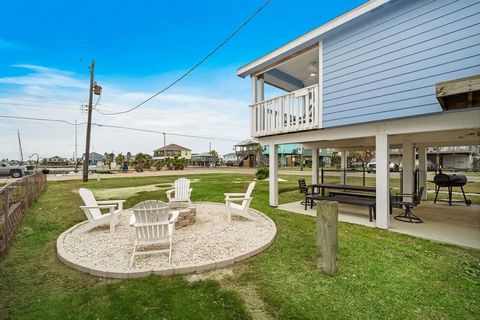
413 136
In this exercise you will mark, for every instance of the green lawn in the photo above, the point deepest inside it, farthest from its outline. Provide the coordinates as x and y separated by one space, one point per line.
382 274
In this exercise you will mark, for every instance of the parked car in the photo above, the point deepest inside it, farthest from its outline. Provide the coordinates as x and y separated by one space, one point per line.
230 163
372 166
15 171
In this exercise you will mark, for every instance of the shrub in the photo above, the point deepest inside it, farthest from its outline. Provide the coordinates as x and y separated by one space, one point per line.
262 174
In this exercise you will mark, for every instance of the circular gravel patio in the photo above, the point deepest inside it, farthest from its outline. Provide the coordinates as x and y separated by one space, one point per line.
210 243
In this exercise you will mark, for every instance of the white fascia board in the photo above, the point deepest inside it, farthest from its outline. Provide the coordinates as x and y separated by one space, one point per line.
300 42
446 120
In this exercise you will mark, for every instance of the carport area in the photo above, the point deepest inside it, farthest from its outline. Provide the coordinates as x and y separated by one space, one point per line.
457 224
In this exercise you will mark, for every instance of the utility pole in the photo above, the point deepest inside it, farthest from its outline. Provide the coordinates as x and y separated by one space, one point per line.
20 145
89 123
75 156
164 140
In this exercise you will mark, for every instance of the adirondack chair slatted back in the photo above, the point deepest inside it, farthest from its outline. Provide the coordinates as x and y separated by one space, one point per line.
89 200
248 194
182 186
152 217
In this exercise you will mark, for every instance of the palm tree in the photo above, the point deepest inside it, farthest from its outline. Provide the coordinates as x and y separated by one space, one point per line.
258 150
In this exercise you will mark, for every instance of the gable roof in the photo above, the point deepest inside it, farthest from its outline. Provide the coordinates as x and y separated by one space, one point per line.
308 39
172 147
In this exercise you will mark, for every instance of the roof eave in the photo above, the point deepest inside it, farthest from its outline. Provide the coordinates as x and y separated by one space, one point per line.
307 38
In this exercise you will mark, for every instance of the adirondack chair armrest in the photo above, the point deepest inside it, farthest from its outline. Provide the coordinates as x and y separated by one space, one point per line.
238 199
169 193
233 195
174 217
119 203
110 201
105 206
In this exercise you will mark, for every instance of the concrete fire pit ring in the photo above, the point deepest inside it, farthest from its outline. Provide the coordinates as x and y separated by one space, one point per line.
210 243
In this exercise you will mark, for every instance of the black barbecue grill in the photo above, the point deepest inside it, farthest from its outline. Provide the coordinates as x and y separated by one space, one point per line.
450 181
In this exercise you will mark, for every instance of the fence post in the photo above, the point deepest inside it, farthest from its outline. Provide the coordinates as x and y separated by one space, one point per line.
327 237
364 180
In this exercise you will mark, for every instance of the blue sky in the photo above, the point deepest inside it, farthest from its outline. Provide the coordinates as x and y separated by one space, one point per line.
45 48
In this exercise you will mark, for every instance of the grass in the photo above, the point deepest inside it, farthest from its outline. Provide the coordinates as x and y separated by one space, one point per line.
382 274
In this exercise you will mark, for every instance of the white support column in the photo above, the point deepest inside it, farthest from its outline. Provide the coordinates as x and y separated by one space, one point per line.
422 170
408 163
314 165
343 166
273 175
260 88
382 181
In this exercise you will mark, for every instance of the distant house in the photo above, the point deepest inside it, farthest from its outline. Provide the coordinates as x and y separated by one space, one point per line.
230 157
172 151
203 159
247 154
94 158
292 155
57 161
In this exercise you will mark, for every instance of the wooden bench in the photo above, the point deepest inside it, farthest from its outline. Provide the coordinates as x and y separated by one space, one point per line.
370 203
350 199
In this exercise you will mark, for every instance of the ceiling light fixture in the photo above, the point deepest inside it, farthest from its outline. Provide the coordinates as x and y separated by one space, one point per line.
313 69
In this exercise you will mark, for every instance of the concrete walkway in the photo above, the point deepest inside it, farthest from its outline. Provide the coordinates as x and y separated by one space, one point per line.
458 224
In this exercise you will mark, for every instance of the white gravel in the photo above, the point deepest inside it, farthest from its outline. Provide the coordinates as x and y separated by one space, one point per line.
210 238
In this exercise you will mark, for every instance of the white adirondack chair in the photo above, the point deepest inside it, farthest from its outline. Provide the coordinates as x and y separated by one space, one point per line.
182 191
242 208
153 227
95 217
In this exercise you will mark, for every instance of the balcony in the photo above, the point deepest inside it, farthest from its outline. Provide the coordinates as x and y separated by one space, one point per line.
296 111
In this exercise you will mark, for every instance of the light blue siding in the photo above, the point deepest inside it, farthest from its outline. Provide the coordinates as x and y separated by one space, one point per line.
386 64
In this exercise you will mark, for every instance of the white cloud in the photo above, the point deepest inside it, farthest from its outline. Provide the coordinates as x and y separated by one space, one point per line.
191 110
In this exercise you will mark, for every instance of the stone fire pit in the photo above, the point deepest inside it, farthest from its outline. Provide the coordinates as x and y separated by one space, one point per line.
203 240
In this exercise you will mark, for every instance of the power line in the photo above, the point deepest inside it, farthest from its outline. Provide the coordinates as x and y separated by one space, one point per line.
41 119
44 100
161 132
36 106
197 64
121 127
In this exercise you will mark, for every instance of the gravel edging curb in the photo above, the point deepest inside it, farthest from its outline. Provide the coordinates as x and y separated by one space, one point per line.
183 269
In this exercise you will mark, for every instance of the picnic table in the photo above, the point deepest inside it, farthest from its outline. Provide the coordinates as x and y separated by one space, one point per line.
324 186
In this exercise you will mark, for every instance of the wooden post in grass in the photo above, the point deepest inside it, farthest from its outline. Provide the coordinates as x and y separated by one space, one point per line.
327 237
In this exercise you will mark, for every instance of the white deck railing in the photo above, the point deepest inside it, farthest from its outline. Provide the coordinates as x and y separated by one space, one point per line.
296 111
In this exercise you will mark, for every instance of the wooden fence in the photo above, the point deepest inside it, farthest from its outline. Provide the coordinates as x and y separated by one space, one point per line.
15 200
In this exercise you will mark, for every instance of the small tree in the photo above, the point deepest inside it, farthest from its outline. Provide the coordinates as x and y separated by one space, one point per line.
214 155
120 158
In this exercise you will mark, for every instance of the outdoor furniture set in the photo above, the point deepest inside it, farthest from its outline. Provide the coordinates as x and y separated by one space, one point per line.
155 221
360 195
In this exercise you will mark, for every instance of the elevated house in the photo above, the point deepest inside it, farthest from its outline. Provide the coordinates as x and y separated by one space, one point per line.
57 161
249 152
202 159
172 151
230 157
387 74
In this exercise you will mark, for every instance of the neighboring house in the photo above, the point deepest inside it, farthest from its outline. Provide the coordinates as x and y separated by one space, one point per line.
203 159
57 161
172 151
230 157
248 156
387 74
456 157
94 158
293 155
